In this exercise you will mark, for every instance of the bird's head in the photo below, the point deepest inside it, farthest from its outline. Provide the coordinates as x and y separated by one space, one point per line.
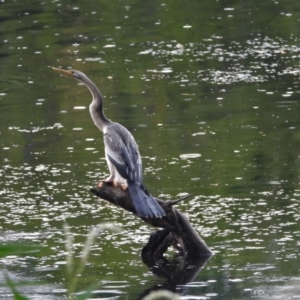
74 73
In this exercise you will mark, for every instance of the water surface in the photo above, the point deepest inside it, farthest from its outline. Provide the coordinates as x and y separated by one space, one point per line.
210 92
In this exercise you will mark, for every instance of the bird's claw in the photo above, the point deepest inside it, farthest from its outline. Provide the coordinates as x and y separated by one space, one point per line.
115 184
102 182
124 186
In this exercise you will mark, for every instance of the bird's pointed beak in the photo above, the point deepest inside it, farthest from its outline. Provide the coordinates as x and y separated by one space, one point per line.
64 72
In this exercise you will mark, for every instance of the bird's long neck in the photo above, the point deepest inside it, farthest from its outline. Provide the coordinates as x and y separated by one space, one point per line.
96 107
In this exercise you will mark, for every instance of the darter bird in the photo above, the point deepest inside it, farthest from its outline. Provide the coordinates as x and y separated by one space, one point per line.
121 153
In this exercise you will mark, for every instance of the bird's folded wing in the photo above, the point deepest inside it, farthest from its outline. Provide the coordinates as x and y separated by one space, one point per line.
124 156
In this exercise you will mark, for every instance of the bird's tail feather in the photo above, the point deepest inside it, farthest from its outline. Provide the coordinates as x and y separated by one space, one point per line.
144 204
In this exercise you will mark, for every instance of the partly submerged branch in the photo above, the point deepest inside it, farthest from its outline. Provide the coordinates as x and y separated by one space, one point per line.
177 231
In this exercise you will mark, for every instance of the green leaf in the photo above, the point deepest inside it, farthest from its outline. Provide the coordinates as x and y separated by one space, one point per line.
15 249
17 295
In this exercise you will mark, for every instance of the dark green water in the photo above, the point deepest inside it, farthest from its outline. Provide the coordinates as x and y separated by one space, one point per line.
209 89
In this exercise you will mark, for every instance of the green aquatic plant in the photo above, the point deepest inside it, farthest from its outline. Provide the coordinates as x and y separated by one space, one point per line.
73 270
17 295
74 273
16 249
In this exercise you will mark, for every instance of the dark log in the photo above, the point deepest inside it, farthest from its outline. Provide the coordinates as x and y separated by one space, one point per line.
177 231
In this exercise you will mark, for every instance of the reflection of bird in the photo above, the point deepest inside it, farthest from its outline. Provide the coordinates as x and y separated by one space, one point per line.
121 152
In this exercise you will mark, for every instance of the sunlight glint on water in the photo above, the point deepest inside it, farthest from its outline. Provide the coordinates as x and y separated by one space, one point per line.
212 100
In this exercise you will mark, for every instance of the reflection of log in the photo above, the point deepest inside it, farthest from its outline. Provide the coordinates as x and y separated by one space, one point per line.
176 273
177 231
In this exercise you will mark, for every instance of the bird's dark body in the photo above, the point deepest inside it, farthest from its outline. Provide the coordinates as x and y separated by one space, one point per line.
124 156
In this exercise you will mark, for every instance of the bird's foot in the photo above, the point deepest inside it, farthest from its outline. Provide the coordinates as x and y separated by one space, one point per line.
124 186
103 181
112 182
